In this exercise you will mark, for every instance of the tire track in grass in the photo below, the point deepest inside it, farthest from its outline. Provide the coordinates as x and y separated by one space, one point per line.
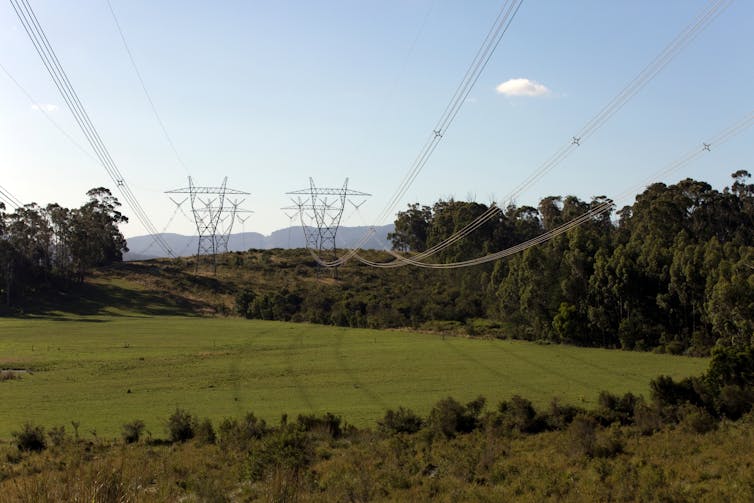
566 377
303 394
625 375
492 370
340 358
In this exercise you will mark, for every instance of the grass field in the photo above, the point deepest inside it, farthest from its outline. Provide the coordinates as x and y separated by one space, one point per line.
103 371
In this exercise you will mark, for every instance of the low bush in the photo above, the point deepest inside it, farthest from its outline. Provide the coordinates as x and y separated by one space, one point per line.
57 435
449 417
205 432
518 414
613 408
30 438
329 424
132 431
560 416
400 421
181 426
238 434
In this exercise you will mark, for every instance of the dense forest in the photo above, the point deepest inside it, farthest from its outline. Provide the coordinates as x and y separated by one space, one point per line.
55 246
674 271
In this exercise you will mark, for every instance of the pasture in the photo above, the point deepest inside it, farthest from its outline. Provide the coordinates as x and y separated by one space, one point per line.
103 371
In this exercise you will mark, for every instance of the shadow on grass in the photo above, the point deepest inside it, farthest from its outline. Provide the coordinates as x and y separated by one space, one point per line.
92 299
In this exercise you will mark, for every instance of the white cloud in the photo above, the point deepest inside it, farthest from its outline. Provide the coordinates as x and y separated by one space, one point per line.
522 87
45 107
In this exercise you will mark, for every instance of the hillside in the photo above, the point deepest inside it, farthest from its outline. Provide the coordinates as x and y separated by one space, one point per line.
143 247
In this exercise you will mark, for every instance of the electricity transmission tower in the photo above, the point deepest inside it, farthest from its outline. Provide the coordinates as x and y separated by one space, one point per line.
214 214
320 210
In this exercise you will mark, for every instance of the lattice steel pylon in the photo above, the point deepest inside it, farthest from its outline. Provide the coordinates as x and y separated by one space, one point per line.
213 210
320 210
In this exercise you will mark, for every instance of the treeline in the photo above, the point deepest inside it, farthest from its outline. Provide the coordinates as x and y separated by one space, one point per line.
673 272
53 245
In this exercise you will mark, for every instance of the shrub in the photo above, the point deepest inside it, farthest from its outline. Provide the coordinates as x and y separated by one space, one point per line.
584 439
696 420
132 431
613 408
560 416
243 301
57 435
238 434
30 438
448 417
518 414
582 436
329 424
181 426
647 418
289 449
400 421
735 401
205 432
668 392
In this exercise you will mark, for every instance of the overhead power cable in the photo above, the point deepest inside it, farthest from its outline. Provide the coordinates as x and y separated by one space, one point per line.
712 11
39 107
59 77
502 22
146 92
719 139
13 201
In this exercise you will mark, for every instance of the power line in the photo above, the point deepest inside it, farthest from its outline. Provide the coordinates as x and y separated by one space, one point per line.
713 10
722 137
39 107
5 195
500 26
146 92
59 77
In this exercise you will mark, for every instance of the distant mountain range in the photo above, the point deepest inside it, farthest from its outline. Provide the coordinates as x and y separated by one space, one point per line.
144 247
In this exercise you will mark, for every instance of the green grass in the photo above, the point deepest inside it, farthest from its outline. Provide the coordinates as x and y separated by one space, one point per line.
82 369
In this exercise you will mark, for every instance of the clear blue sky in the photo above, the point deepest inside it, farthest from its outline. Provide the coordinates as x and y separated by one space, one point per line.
269 93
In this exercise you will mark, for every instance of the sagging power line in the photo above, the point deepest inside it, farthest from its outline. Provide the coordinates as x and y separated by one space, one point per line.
648 73
320 210
44 49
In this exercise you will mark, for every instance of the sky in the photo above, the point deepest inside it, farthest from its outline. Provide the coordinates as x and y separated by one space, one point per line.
270 93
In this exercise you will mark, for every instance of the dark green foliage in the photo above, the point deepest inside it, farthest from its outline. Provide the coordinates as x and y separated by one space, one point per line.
560 416
449 417
329 424
734 401
613 408
205 432
243 301
288 449
239 434
696 419
582 436
518 414
52 246
30 438
731 365
181 426
669 392
400 421
585 438
132 431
